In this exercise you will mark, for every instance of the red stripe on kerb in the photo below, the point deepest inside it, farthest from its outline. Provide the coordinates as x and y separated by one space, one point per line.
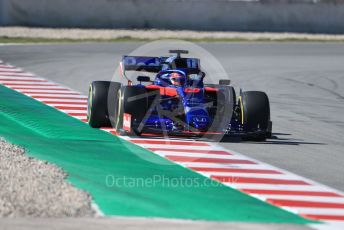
7 67
20 84
219 152
65 102
290 192
6 71
77 114
244 180
323 217
25 88
261 171
57 97
207 160
51 93
158 142
298 203
13 74
26 80
69 108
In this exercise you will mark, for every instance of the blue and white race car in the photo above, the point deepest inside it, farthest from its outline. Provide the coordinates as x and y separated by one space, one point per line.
176 102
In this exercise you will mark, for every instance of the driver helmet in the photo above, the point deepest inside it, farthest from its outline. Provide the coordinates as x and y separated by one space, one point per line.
177 79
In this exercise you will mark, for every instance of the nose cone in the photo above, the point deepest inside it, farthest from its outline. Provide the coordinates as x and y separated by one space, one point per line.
200 123
199 119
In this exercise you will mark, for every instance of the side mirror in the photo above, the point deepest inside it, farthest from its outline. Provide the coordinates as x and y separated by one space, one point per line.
143 79
224 82
202 74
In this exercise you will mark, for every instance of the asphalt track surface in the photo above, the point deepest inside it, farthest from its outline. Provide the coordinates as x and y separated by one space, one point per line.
302 80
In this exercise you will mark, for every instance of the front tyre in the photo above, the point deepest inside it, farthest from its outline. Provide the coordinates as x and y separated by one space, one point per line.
255 114
100 94
133 101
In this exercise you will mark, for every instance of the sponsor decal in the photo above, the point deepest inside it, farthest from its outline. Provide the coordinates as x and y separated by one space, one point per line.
127 122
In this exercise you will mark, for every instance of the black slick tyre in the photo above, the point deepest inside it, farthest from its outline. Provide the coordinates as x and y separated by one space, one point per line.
99 97
255 114
136 102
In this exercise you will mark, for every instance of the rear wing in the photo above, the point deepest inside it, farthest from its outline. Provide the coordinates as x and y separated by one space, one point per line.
146 64
155 64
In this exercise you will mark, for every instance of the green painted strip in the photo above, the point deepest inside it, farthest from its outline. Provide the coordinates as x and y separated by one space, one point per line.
89 156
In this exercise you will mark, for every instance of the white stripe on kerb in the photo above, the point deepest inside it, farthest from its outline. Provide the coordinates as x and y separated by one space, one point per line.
329 199
16 74
200 155
56 95
254 175
22 79
34 87
277 187
171 146
320 211
223 165
8 70
73 111
47 91
68 105
50 100
80 117
19 83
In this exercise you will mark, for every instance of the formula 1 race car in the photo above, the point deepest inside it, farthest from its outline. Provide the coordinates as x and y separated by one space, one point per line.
176 102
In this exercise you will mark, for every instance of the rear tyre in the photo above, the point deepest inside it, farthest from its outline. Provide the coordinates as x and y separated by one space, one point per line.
255 114
99 97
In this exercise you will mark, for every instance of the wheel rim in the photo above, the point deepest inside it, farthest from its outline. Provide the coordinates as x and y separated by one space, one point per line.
89 103
241 109
119 106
